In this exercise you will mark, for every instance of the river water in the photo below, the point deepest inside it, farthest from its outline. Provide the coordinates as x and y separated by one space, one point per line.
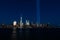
30 34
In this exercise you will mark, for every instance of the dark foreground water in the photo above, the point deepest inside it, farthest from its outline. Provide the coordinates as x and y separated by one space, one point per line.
31 34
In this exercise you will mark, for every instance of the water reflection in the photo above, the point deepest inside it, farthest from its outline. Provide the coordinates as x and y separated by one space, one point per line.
20 34
27 34
30 33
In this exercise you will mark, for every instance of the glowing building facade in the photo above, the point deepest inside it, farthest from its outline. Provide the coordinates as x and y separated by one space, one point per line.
21 23
14 23
27 22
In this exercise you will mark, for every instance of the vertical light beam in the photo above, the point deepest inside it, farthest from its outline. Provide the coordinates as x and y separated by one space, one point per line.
38 11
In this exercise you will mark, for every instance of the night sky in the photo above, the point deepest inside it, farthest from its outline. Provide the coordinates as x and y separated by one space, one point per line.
11 10
50 11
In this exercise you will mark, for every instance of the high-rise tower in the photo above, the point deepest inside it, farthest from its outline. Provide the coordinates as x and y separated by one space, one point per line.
27 22
21 23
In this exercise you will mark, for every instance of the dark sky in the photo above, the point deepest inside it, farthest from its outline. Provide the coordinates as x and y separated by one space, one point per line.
11 10
50 11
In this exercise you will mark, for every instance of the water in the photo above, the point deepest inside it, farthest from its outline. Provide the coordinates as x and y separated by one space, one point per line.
5 34
30 34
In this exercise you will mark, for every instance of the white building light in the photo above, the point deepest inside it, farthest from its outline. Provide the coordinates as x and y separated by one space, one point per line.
14 23
27 22
21 23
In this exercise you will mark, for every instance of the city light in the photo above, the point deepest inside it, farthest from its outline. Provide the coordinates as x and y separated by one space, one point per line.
21 23
27 22
14 23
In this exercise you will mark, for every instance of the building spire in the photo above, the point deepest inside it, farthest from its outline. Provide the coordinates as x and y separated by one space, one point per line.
27 22
21 23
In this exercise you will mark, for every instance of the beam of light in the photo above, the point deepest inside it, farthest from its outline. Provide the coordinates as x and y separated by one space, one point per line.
38 10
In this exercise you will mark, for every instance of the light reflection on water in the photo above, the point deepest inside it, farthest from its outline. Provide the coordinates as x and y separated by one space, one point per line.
29 34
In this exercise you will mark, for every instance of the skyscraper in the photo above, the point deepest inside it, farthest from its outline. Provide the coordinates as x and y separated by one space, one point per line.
21 23
27 22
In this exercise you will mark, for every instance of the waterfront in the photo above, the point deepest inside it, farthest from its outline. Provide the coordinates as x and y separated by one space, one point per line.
30 34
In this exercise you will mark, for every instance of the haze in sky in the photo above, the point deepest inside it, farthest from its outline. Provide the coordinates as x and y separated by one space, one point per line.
11 10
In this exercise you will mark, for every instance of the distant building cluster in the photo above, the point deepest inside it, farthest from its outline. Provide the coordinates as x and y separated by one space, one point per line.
27 24
21 23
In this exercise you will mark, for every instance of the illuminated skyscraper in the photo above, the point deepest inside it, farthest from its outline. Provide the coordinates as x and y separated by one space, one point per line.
27 22
21 23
